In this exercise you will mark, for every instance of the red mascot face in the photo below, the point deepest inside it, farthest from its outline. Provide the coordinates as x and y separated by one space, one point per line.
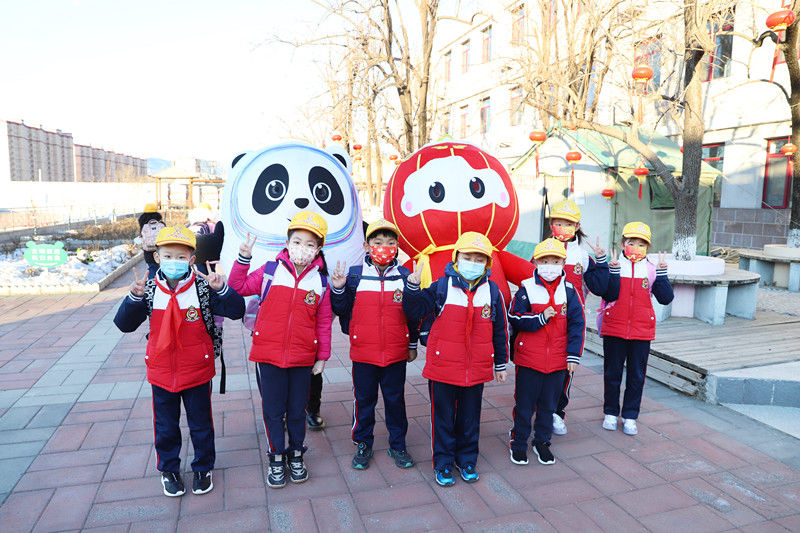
445 189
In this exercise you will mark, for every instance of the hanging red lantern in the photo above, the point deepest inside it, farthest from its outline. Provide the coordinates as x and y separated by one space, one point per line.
642 74
357 158
788 149
608 193
681 148
537 136
780 20
640 172
336 137
393 157
397 162
356 147
572 157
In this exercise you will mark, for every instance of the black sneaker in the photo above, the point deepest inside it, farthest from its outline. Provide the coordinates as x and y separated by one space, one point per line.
314 422
542 450
173 484
276 478
202 483
519 457
297 469
362 456
401 458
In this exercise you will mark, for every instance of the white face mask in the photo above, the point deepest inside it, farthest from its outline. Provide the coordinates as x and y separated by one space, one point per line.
549 272
300 254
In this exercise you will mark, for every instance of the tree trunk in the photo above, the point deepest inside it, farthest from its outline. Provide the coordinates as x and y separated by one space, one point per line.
684 246
371 134
790 53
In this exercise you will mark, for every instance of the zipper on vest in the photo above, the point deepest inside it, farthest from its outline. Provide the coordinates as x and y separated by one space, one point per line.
380 330
470 315
289 325
630 304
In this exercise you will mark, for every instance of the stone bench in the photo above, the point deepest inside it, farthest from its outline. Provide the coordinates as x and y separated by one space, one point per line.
710 298
782 272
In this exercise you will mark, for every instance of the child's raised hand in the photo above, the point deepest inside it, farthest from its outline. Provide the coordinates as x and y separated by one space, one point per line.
614 263
549 313
501 377
318 367
662 260
137 287
215 281
246 248
338 277
416 276
598 250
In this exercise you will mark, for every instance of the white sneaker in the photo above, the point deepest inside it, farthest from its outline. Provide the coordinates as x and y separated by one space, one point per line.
629 426
610 423
559 427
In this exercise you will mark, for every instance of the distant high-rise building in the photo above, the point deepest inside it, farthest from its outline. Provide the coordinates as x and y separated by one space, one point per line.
34 154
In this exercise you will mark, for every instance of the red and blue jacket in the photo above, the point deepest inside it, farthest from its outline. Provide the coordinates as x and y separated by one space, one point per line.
541 344
469 336
191 362
628 313
370 310
293 324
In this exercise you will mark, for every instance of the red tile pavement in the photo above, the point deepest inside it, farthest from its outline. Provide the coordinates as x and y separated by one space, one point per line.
96 471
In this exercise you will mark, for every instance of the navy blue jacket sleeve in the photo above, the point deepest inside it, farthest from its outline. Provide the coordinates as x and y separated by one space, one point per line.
596 276
520 316
131 313
417 302
499 330
576 327
662 288
227 302
343 299
612 291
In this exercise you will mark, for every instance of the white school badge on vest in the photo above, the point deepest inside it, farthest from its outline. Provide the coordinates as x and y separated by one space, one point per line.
578 269
397 297
487 311
192 314
645 283
311 297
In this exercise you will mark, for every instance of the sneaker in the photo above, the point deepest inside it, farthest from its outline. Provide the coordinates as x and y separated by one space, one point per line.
276 478
610 423
444 477
519 457
297 469
362 456
559 427
542 450
468 473
401 458
202 483
315 422
173 484
629 426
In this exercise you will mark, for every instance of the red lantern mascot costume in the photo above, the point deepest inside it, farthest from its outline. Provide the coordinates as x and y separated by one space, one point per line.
445 189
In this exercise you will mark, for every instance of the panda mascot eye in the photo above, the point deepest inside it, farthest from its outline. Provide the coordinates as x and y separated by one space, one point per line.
270 189
436 192
325 190
476 187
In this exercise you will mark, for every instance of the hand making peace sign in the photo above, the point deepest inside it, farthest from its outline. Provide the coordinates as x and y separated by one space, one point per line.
662 260
215 281
598 250
246 248
137 287
614 263
416 276
338 276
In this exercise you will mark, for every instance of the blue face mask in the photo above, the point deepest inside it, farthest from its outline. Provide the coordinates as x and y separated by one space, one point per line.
174 268
470 270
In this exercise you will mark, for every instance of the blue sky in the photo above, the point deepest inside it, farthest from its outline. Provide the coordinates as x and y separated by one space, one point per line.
151 78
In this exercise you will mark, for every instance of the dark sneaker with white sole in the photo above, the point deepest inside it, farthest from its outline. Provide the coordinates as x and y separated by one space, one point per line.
401 458
202 483
542 450
297 468
519 457
276 472
173 484
362 456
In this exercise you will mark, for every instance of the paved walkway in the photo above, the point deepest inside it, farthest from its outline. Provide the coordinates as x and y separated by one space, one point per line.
76 451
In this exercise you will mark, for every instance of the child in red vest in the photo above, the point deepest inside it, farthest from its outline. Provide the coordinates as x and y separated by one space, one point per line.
467 347
181 348
629 323
369 303
586 273
291 338
547 315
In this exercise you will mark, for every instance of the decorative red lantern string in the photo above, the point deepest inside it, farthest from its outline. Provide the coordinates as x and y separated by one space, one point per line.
778 22
356 147
336 137
393 157
572 157
641 172
538 137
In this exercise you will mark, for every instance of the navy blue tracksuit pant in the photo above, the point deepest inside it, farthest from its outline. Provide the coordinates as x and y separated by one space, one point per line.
535 392
284 391
456 421
563 400
616 353
166 427
392 380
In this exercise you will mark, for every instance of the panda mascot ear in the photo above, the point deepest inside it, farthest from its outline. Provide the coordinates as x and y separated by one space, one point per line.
237 158
339 152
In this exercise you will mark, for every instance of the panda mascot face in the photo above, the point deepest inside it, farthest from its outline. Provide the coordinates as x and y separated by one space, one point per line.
265 188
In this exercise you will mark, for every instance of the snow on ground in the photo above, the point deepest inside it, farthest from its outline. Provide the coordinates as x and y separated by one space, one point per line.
778 301
14 270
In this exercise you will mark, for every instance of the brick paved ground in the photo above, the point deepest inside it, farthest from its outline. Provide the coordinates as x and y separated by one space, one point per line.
76 451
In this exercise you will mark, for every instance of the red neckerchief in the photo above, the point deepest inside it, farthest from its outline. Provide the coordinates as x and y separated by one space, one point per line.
171 321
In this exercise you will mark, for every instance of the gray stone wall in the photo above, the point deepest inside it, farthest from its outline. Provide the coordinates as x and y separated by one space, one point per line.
749 228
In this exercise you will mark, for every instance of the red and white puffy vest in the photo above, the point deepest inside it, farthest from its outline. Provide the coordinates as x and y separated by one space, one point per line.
544 350
191 362
631 316
460 350
378 327
575 265
285 332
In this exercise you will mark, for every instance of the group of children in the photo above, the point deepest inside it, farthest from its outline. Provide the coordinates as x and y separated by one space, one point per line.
383 309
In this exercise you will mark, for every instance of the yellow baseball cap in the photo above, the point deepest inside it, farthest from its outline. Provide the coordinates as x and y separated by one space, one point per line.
381 224
637 229
550 246
566 209
472 241
204 205
150 208
310 221
176 235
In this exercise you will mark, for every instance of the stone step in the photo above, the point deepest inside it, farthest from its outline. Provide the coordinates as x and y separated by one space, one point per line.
777 385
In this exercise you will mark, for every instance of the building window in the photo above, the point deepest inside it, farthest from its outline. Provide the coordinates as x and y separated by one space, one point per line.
446 124
463 122
717 64
713 155
777 175
486 115
648 52
516 106
518 25
486 56
464 56
448 60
